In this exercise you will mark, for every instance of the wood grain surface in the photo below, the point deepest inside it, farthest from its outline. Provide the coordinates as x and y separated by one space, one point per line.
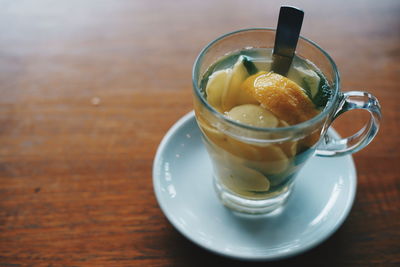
89 88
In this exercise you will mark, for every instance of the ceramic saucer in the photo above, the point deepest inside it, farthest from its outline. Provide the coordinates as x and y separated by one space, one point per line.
182 177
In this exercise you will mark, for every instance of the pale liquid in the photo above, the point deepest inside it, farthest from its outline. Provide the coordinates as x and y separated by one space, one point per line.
257 171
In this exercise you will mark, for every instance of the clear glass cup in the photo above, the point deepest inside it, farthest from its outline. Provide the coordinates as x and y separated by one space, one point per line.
255 168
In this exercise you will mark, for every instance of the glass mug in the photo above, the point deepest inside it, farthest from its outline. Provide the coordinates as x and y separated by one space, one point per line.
255 168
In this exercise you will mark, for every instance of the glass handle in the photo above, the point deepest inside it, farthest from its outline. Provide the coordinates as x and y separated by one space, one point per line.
331 146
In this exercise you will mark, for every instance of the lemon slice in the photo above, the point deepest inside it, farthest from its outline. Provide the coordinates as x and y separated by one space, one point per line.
281 96
253 115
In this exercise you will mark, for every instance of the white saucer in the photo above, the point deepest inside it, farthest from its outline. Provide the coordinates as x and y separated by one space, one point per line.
182 178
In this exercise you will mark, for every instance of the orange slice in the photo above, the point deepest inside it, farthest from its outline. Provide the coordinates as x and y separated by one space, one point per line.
281 96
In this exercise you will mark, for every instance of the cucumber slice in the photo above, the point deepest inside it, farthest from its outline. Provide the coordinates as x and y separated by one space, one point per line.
324 94
308 79
253 67
249 65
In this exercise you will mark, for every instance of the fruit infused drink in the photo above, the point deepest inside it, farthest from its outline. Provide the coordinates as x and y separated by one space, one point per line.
242 87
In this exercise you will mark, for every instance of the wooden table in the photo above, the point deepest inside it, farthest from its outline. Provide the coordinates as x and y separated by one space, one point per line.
89 88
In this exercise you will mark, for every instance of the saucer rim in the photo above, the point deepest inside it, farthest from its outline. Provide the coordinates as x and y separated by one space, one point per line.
350 198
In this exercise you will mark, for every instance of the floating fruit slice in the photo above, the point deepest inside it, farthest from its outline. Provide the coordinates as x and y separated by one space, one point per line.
274 160
289 147
232 95
241 179
281 96
253 115
223 88
217 84
214 134
307 78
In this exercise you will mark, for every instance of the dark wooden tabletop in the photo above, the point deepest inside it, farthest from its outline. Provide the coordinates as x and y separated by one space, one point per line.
89 88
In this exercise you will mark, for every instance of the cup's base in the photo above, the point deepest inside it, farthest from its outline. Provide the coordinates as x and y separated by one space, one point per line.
252 206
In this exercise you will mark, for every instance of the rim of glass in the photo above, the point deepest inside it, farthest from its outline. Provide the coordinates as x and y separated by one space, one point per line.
302 125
